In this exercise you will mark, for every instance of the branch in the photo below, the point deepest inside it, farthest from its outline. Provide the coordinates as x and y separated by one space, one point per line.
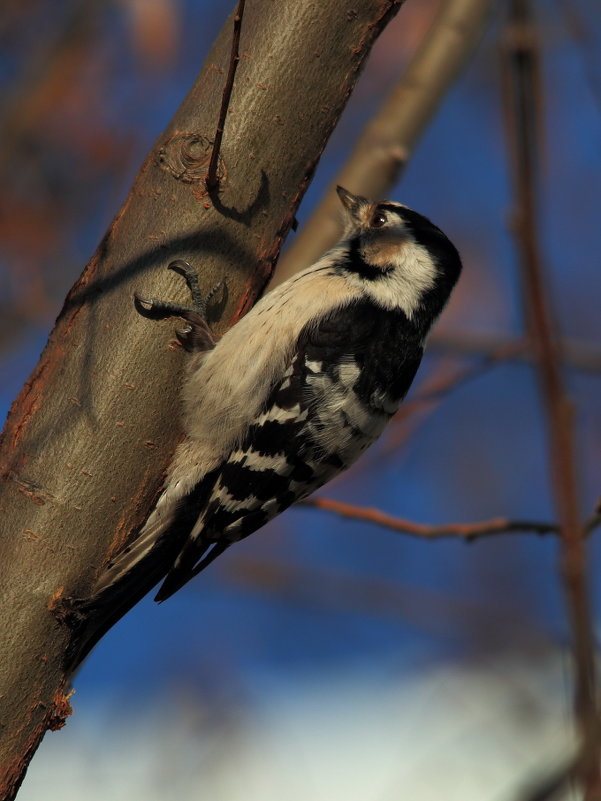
575 353
322 587
580 23
212 178
521 68
554 786
86 444
50 72
465 531
388 140
594 521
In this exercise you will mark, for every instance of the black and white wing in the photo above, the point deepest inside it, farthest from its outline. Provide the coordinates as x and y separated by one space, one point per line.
345 379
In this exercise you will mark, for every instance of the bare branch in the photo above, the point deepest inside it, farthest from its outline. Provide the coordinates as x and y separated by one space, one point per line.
465 531
594 521
553 786
521 71
49 73
212 177
388 140
575 353
582 28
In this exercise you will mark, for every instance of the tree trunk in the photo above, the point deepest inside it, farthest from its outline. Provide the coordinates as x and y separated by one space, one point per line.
87 442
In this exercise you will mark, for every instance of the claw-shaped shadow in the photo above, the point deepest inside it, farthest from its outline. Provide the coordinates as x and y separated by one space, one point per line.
246 216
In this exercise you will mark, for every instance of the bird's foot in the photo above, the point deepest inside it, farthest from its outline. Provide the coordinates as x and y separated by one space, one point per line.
195 334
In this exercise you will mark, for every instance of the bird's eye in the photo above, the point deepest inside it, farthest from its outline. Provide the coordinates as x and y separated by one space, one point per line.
378 219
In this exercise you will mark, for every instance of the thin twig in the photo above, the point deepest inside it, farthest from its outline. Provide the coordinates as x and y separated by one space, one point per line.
212 178
577 354
594 521
554 785
583 32
521 70
466 531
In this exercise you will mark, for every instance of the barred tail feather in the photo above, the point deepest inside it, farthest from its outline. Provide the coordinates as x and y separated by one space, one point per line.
133 554
196 545
125 581
177 513
196 554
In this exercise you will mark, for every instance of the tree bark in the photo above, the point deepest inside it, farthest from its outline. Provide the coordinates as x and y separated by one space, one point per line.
88 440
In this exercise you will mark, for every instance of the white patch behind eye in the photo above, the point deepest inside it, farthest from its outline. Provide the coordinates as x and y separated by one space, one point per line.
409 272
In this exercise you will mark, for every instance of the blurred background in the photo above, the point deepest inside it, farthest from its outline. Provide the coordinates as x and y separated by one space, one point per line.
326 658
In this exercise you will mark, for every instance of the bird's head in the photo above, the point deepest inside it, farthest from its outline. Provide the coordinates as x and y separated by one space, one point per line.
403 259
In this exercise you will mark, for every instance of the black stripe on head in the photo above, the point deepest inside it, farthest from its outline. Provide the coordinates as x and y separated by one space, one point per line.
396 208
357 264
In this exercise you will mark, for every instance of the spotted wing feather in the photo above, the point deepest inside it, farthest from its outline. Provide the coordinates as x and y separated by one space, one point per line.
332 402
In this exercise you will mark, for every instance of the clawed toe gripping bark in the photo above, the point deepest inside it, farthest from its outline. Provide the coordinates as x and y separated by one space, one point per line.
196 334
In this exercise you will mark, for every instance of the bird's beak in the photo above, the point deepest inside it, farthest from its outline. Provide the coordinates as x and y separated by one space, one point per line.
352 203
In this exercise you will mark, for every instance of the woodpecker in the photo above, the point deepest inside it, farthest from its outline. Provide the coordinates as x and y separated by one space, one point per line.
294 392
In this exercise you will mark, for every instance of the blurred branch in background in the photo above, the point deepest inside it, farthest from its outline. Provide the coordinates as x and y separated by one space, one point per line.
553 786
521 71
448 377
155 32
437 387
48 78
326 587
32 206
582 20
387 142
575 354
62 156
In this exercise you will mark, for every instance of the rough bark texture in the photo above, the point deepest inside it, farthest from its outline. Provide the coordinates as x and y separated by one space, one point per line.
86 443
